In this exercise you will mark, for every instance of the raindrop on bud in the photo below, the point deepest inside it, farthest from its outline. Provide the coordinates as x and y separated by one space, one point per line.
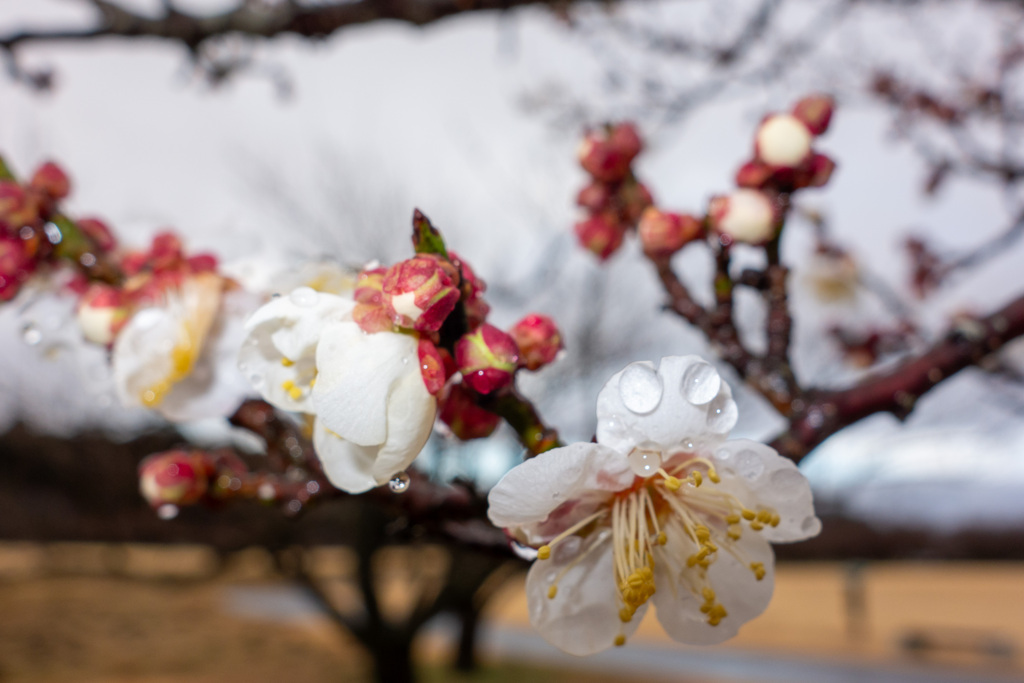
31 334
399 483
304 297
167 511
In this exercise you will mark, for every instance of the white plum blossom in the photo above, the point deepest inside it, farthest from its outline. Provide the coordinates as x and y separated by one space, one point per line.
174 356
373 413
660 510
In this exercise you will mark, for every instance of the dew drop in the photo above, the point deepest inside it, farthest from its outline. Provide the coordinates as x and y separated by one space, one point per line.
167 511
256 379
27 233
700 383
722 414
304 297
524 551
31 334
644 463
787 481
748 464
266 491
399 483
53 233
640 388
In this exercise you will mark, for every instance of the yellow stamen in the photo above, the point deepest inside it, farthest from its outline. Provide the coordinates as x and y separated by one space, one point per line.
287 362
620 640
543 552
552 592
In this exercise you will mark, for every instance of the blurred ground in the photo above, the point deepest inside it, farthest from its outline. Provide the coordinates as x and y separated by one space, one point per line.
85 613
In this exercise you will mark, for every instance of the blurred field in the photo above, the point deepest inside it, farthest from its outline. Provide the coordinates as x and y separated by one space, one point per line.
91 613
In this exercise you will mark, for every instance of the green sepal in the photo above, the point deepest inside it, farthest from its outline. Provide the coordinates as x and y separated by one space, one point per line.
425 237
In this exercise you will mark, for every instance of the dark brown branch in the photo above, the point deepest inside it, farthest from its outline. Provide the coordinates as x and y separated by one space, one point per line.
966 344
262 20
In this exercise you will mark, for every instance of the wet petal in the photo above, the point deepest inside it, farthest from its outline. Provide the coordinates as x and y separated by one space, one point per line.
410 415
348 467
583 617
758 476
357 373
646 406
736 587
530 492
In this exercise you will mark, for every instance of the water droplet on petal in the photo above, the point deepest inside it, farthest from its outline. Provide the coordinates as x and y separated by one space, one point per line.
304 297
524 551
787 481
399 483
256 379
748 464
640 388
167 511
644 463
700 383
31 334
722 414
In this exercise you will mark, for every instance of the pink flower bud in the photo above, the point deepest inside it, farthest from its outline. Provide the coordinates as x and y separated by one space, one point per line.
432 366
816 112
419 293
744 216
602 234
820 170
174 477
51 180
165 252
467 420
783 140
17 207
487 358
202 263
606 154
134 262
98 232
370 313
102 312
663 233
16 265
472 288
538 340
595 197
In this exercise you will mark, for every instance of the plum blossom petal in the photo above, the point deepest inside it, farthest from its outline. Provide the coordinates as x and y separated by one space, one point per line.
529 495
279 353
358 373
347 466
161 345
644 404
579 619
678 607
660 510
772 481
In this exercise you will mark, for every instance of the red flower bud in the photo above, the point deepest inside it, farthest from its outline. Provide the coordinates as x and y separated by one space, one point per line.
754 175
538 339
17 207
98 232
432 367
370 313
487 358
16 265
596 196
51 180
467 420
663 233
419 293
165 252
602 234
816 112
606 154
820 170
174 477
202 263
